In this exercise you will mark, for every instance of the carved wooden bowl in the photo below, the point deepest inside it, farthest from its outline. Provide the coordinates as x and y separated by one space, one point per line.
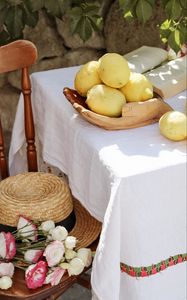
134 114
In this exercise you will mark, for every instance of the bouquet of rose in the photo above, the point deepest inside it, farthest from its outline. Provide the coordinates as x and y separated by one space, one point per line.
44 251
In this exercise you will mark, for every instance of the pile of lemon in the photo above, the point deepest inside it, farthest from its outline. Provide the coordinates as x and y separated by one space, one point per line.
108 84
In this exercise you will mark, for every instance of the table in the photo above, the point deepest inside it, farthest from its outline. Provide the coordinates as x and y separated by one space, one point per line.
134 181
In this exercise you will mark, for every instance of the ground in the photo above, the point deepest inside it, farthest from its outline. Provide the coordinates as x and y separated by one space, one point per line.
76 292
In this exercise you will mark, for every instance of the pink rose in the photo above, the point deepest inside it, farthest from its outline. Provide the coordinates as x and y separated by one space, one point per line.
54 253
35 275
55 276
33 255
6 269
7 245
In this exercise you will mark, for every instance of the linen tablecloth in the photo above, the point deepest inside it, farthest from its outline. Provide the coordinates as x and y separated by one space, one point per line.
134 181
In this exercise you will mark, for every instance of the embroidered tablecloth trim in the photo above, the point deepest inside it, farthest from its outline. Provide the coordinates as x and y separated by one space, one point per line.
154 268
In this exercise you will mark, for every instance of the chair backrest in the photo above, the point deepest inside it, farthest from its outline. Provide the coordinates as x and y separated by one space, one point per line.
20 55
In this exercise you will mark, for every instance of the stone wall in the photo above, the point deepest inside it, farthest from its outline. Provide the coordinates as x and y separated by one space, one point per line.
57 48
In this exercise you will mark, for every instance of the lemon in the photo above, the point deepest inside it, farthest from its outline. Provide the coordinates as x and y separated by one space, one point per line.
173 125
87 77
105 100
138 88
113 70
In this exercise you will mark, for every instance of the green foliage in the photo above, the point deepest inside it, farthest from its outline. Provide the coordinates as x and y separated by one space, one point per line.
16 14
173 30
84 17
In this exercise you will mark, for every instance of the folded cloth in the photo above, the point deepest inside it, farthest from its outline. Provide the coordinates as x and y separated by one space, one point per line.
145 58
170 78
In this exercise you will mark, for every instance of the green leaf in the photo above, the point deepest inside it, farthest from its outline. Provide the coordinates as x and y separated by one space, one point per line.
30 18
122 3
3 14
164 2
37 4
2 4
14 22
173 9
183 33
76 12
91 10
73 23
165 30
127 5
4 37
152 2
174 40
129 16
144 10
183 4
96 22
84 29
77 2
166 24
55 8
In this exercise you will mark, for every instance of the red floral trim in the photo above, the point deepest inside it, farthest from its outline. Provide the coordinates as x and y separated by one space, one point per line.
155 268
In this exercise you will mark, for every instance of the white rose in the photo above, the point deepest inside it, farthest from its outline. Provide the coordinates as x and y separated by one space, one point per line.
69 254
5 282
47 225
54 253
70 242
59 233
86 255
6 269
76 266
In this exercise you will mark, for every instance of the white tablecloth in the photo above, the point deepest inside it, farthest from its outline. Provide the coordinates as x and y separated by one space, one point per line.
134 181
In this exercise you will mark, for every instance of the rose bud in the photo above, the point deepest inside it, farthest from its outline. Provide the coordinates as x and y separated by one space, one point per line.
64 265
86 255
47 226
33 255
70 242
27 229
69 254
7 245
76 266
59 233
5 282
6 269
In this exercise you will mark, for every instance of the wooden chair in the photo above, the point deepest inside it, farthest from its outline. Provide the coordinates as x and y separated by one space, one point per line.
20 55
15 56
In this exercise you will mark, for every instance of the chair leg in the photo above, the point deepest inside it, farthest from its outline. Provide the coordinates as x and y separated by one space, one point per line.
54 296
84 280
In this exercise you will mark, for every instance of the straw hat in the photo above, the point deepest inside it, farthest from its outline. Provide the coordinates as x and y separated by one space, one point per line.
43 196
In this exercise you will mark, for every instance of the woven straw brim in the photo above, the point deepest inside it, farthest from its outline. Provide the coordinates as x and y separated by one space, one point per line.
44 196
39 196
86 228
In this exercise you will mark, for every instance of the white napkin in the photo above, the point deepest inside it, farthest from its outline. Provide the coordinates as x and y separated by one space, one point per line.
170 78
145 58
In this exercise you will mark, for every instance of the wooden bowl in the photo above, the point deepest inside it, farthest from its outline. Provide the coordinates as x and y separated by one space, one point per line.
134 114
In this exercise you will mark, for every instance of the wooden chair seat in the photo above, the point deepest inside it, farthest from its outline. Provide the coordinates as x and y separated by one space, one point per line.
19 290
20 55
